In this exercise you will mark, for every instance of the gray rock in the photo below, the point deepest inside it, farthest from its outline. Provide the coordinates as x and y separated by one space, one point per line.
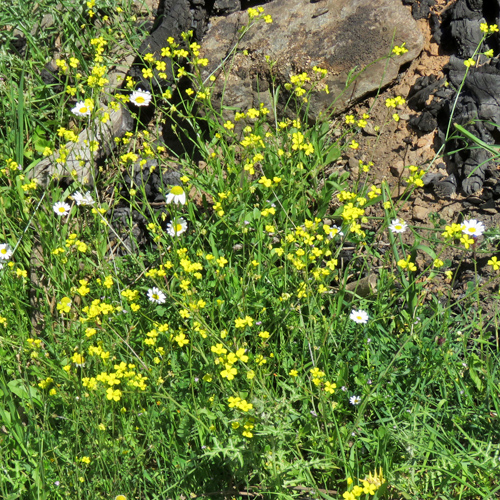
431 178
348 36
224 7
80 158
446 187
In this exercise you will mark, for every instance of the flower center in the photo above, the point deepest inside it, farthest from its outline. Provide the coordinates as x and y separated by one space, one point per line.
139 99
156 296
62 209
472 229
177 190
177 227
83 109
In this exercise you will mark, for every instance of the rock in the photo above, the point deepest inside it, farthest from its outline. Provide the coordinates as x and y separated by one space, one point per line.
80 159
424 122
446 187
420 213
431 177
420 9
397 169
224 7
477 105
175 18
348 35
371 130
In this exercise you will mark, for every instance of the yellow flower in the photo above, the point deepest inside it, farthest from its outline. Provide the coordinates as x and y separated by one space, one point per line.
330 388
222 261
64 305
400 50
229 372
113 394
181 339
493 262
467 241
438 263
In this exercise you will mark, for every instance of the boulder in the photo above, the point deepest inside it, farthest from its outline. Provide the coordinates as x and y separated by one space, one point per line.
346 37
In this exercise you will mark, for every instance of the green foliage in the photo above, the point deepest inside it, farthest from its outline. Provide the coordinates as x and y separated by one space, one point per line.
248 345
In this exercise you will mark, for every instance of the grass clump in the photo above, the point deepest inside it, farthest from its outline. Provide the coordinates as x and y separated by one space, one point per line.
272 337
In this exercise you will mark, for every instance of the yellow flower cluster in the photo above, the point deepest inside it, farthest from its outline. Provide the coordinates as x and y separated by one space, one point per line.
11 166
73 241
64 305
259 13
95 310
248 426
242 322
374 192
405 263
393 102
123 371
452 232
400 49
43 384
99 45
98 351
298 143
29 186
68 135
160 272
83 289
130 295
241 404
96 78
252 140
488 29
416 176
370 485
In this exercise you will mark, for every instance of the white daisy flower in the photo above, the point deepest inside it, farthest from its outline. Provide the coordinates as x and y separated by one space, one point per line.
473 227
61 208
81 109
176 195
5 251
398 226
355 400
177 227
155 295
359 316
140 97
335 231
83 199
